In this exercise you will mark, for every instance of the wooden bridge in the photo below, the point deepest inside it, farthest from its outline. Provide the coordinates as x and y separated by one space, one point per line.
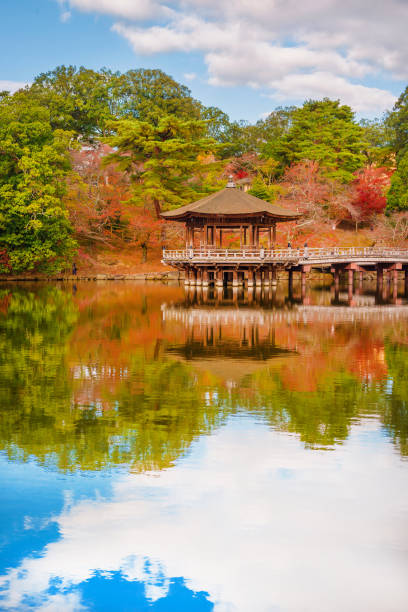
258 266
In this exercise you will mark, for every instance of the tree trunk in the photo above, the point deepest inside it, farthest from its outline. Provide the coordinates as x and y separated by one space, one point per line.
157 207
144 253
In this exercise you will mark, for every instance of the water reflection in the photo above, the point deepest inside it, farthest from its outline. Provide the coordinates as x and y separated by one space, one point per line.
205 421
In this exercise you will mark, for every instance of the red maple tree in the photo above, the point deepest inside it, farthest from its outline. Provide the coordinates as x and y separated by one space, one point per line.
370 187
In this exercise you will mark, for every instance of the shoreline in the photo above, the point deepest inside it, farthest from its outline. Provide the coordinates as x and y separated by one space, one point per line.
144 276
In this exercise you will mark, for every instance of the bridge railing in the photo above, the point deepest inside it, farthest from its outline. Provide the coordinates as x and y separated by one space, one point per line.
287 254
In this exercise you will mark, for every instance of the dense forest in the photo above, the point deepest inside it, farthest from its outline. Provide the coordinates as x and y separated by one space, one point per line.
88 159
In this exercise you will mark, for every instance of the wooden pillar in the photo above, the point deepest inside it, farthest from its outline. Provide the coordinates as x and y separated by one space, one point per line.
290 284
193 276
258 277
269 238
336 275
219 279
350 278
273 277
187 276
380 277
205 277
360 280
251 235
395 283
350 284
199 276
250 277
274 235
406 281
205 235
303 281
235 278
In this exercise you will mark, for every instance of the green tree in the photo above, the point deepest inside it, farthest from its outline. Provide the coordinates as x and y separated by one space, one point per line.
378 137
397 198
145 93
79 100
323 131
397 121
34 227
161 156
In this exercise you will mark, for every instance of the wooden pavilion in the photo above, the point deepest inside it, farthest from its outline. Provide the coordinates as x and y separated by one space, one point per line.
207 221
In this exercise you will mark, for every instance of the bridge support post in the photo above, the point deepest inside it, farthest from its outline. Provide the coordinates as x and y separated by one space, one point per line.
199 277
336 276
380 277
219 277
406 281
258 278
193 276
235 278
303 281
205 277
350 284
395 283
272 276
187 277
360 280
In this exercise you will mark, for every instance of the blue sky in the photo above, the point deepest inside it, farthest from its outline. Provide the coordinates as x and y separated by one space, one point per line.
246 56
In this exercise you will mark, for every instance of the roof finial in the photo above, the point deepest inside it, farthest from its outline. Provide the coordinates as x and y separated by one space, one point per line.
231 181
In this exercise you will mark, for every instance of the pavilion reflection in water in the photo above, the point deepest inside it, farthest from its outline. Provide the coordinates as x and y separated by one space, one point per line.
232 335
288 295
227 342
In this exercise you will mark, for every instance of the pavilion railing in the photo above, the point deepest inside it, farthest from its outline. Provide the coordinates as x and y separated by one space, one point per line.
287 254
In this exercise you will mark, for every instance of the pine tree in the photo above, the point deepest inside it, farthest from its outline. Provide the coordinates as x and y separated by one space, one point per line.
161 157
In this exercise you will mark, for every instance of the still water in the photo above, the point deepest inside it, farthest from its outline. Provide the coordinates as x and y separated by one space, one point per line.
169 451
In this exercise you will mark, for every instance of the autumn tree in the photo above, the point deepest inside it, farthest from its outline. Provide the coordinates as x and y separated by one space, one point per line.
145 229
96 196
161 158
371 185
307 188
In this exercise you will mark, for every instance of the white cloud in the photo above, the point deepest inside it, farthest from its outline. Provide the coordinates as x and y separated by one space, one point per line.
257 42
190 76
230 521
322 84
11 86
128 9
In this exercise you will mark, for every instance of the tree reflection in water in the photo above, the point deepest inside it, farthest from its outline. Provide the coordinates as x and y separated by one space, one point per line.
132 374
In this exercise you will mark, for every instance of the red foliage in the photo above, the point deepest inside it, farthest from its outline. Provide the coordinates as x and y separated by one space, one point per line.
97 196
241 174
5 260
146 230
371 185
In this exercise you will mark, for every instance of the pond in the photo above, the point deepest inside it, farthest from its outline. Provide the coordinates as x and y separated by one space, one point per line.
164 449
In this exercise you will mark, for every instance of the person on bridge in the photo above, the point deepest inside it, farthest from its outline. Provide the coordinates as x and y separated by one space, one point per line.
306 252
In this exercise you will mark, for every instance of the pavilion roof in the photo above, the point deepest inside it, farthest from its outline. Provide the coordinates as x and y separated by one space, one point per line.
230 202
